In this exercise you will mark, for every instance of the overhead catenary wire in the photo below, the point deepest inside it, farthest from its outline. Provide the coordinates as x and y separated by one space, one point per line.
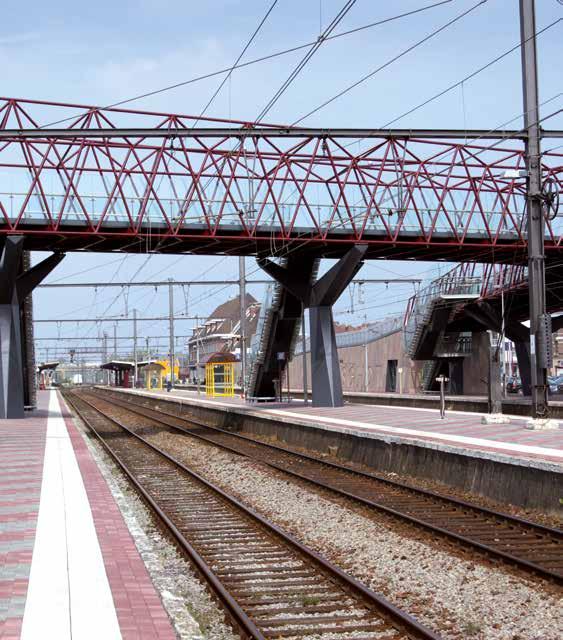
305 60
249 63
239 58
390 61
556 112
327 36
470 76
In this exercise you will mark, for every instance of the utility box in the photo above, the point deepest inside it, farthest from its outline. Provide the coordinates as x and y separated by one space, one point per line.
545 342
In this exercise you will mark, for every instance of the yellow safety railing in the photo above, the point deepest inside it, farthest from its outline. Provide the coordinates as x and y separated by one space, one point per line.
220 379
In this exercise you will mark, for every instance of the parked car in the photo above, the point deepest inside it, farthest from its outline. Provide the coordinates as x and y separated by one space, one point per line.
555 384
513 385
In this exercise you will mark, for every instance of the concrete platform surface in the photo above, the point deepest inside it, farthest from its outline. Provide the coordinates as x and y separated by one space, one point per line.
460 431
69 567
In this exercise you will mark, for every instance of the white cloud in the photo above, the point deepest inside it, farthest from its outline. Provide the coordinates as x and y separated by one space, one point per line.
119 78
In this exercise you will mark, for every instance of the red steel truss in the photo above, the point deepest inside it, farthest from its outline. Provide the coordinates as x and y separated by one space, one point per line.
269 194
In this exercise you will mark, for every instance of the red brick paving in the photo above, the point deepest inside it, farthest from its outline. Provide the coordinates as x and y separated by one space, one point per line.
139 609
22 444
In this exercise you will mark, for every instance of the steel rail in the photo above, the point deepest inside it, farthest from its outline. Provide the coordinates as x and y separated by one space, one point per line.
271 132
466 541
240 619
399 619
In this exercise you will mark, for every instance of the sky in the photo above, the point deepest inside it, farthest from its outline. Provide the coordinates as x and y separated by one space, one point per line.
103 52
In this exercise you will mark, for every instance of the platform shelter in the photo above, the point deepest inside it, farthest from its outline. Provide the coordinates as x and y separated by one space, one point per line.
220 375
122 372
153 372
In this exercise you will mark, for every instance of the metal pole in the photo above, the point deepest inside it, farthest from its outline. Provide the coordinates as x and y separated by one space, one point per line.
442 397
197 353
536 256
135 348
366 371
304 342
242 296
115 340
503 343
105 354
171 327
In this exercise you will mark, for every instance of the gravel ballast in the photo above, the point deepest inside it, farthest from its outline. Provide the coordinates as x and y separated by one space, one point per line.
457 596
194 614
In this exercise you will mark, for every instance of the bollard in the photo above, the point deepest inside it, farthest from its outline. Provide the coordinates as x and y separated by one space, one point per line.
442 380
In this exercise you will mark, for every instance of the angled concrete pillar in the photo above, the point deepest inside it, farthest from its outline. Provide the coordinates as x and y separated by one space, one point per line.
319 298
15 286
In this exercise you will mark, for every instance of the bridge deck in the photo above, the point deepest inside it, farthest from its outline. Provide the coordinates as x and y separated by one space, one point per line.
75 235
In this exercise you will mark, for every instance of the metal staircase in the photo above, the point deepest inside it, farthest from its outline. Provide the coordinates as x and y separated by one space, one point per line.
430 310
277 329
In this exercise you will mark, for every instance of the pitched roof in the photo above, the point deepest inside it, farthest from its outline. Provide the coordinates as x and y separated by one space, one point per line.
230 310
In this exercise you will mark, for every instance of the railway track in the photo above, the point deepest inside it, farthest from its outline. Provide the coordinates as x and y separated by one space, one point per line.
271 585
531 546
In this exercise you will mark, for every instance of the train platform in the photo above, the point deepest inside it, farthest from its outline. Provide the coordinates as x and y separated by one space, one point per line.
459 431
69 567
507 463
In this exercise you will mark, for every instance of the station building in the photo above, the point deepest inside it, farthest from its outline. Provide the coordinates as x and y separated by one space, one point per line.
220 334
373 357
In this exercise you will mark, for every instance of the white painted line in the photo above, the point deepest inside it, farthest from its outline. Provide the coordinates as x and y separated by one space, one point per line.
481 442
69 594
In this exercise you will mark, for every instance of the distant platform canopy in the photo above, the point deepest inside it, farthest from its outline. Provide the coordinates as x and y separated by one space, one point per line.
117 365
46 366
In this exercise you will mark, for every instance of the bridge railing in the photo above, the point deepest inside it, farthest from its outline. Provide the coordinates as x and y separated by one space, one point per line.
176 214
465 280
374 331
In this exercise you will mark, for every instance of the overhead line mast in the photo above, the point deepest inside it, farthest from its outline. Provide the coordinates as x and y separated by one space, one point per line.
540 321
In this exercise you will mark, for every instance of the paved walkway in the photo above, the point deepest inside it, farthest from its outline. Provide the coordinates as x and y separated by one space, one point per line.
69 566
461 430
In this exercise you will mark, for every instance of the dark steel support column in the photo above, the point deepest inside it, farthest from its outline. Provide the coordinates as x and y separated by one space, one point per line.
524 365
15 286
536 224
325 368
28 345
326 381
